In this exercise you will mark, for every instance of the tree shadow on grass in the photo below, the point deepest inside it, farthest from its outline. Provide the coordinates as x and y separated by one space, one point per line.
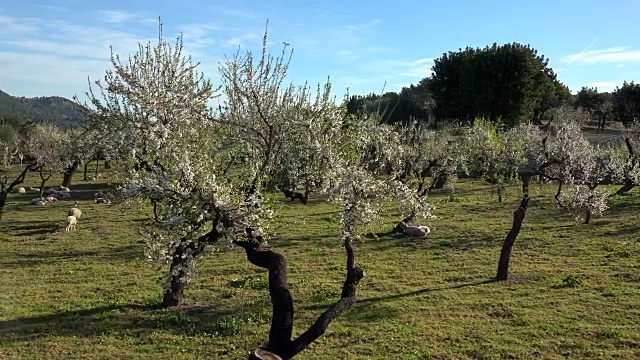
124 320
128 252
32 228
360 302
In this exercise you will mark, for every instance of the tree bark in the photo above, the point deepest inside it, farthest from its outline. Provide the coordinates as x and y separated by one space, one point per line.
3 201
43 180
628 185
587 218
505 254
107 164
6 189
558 193
69 172
441 181
183 255
280 343
86 169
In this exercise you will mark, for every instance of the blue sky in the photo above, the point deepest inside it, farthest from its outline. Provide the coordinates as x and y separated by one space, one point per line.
50 48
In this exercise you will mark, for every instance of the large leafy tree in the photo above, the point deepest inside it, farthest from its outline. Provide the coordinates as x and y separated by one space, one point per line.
597 103
509 83
626 102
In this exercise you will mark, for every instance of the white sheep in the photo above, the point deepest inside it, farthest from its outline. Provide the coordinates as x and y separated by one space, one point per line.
51 199
64 189
72 221
21 190
37 200
95 178
33 190
415 230
74 211
102 201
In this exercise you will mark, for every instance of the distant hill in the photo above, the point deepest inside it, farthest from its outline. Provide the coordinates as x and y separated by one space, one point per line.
55 109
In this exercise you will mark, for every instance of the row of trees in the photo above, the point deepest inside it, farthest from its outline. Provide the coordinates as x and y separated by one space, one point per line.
622 105
509 84
48 151
206 171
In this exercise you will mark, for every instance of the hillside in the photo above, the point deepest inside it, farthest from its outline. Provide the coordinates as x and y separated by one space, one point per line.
58 110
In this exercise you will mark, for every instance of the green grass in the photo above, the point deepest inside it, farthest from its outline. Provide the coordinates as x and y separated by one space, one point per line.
574 290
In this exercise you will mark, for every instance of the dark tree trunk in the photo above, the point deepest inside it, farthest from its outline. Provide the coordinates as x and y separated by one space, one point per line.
183 255
558 193
587 217
441 181
44 179
68 173
5 189
97 166
280 343
86 169
107 164
628 185
3 201
505 254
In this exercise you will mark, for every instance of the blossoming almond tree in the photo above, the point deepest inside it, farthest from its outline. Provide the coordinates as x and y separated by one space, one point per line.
577 164
179 156
10 147
361 190
154 108
627 159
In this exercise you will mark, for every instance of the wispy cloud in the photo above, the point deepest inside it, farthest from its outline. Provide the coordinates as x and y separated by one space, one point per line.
604 86
38 53
620 54
115 16
418 69
51 8
570 61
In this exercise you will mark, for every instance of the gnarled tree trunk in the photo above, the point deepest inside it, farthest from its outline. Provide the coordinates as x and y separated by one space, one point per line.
68 173
6 188
174 292
505 254
280 344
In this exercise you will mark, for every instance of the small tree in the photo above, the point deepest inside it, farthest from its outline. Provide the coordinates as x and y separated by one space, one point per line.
11 144
48 146
493 154
626 159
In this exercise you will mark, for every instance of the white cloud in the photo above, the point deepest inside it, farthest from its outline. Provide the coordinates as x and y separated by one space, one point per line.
604 86
114 16
240 40
614 54
54 57
419 69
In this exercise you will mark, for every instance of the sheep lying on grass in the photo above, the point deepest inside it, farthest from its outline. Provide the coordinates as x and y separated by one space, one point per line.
72 221
102 201
62 195
51 199
38 201
414 230
33 190
21 190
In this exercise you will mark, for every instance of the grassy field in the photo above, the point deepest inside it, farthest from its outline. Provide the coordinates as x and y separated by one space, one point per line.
89 294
